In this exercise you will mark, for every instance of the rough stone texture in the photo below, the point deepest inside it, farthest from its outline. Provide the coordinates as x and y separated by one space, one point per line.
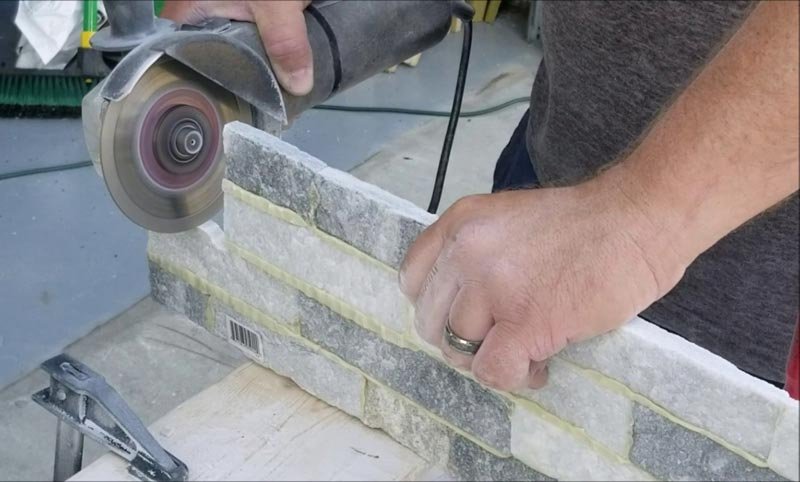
202 251
558 453
176 294
367 217
264 165
587 425
297 250
784 457
470 462
672 452
315 373
406 423
604 414
430 383
689 381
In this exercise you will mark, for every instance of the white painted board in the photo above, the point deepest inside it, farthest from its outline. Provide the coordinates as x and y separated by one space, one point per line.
257 425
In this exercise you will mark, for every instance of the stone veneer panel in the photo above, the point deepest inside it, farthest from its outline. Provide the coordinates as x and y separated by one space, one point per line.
308 261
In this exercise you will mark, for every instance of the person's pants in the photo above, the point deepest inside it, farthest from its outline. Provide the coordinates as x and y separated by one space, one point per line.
514 168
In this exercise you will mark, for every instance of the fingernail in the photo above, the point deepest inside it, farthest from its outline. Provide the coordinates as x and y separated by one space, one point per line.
301 81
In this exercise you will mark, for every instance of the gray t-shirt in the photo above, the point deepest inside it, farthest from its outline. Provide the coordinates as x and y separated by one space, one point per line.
608 69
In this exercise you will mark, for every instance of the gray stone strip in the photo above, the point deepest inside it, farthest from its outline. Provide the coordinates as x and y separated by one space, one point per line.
430 383
264 165
360 214
298 251
177 295
367 217
312 371
202 252
470 462
672 452
407 423
688 381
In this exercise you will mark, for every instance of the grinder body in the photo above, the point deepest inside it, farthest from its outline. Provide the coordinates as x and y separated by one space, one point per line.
154 125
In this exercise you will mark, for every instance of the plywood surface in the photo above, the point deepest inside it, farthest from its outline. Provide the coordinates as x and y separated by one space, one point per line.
256 425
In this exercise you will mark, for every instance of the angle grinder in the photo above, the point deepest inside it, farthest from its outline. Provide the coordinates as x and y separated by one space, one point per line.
153 127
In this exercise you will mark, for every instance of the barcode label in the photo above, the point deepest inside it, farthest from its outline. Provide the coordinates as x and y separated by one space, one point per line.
244 337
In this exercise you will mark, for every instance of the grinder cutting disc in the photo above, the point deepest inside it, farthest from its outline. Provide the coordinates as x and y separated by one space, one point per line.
161 147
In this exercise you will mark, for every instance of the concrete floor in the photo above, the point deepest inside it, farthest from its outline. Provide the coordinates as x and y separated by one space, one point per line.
70 261
155 359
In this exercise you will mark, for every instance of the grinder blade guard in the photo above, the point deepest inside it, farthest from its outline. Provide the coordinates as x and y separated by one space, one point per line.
153 127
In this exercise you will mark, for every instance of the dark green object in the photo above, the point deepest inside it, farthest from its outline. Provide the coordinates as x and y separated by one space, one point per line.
47 93
89 15
32 95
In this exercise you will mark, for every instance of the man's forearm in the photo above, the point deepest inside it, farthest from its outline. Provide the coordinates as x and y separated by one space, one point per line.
727 148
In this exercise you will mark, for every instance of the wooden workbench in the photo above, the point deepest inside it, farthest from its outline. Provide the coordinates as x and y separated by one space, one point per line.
256 425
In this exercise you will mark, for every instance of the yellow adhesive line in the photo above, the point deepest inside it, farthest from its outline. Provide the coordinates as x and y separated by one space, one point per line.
538 409
572 429
326 299
335 358
404 341
215 291
351 313
258 202
268 323
291 217
253 313
621 388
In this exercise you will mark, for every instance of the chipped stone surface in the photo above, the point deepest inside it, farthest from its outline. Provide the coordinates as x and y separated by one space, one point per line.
361 214
430 383
784 457
672 452
177 295
406 423
313 372
554 451
687 380
297 250
202 251
264 165
604 414
470 462
367 217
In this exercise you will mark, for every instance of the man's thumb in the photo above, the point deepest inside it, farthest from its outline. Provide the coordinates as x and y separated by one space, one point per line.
283 31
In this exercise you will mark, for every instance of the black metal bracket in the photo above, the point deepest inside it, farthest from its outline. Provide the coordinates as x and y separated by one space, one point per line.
86 404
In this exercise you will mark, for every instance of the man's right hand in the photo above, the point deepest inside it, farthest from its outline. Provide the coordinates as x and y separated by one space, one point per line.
281 25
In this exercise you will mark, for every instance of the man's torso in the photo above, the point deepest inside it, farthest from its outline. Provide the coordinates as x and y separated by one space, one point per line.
608 70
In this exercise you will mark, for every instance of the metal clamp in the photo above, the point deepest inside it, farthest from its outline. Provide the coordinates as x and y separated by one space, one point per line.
86 404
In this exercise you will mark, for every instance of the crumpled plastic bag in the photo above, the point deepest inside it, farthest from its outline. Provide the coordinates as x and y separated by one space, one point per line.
50 33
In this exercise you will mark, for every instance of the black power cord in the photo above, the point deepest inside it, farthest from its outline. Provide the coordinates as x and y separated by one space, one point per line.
340 108
444 158
423 112
42 170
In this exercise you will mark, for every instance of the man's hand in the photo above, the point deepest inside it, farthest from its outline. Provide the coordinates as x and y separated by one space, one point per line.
281 25
528 272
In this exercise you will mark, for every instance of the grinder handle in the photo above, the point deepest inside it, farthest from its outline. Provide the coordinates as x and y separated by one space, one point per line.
353 40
